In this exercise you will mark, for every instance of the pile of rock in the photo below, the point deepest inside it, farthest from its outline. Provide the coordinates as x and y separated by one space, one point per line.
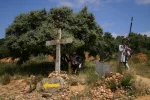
59 79
55 74
103 90
117 77
55 93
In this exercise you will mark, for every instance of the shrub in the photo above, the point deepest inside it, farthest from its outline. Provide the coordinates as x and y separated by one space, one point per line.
92 76
113 85
41 57
127 79
9 68
5 79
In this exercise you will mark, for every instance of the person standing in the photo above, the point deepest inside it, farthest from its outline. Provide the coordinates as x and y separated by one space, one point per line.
124 53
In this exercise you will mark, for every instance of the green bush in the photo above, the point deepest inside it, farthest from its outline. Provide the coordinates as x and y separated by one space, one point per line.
5 79
92 76
113 85
4 52
41 57
127 79
148 55
27 68
9 68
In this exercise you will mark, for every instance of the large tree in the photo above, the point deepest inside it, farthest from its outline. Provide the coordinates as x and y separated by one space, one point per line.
28 32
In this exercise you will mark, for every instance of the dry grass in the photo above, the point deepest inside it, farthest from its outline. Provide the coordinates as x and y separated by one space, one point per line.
137 65
5 79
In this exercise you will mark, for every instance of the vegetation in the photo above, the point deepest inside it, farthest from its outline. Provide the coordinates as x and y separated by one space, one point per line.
127 79
35 66
26 36
5 79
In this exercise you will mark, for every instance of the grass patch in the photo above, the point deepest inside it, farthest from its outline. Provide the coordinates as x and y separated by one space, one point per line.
127 79
5 79
89 71
135 60
113 85
36 66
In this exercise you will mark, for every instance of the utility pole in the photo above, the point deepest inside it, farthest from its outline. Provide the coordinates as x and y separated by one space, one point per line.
131 25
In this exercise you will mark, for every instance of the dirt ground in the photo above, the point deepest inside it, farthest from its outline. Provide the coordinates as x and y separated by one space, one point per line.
16 90
147 82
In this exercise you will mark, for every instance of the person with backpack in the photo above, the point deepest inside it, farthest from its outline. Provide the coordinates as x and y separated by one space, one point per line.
74 62
124 54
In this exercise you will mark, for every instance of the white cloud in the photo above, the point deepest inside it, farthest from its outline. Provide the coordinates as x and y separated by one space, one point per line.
114 35
107 24
81 3
76 3
109 1
146 33
118 34
142 1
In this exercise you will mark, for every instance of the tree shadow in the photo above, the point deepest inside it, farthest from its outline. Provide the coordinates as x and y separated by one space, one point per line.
30 68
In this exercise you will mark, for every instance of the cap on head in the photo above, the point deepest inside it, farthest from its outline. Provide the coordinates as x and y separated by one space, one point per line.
124 39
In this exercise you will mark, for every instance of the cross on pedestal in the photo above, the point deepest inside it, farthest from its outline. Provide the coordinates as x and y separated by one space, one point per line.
58 43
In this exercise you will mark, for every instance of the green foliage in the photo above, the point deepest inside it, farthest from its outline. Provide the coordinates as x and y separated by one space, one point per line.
28 32
34 66
4 52
92 76
113 85
7 68
139 42
127 79
5 79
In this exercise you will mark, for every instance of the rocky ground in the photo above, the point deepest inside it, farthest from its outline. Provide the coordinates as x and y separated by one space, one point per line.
18 89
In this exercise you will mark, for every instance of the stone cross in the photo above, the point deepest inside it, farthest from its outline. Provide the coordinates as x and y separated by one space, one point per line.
58 43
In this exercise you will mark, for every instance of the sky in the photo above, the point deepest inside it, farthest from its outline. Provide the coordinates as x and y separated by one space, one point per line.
112 15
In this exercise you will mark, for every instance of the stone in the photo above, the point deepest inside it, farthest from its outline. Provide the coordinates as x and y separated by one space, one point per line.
53 80
102 68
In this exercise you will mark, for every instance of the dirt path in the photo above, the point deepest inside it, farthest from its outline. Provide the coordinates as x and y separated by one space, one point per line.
143 98
147 82
144 80
15 91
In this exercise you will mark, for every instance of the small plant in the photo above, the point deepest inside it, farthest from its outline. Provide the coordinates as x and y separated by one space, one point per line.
5 79
113 85
92 76
127 79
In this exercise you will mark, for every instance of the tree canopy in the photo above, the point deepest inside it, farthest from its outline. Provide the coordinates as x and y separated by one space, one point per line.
29 32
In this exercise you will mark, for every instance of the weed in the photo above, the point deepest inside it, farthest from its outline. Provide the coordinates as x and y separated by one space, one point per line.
113 85
127 79
89 71
5 79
